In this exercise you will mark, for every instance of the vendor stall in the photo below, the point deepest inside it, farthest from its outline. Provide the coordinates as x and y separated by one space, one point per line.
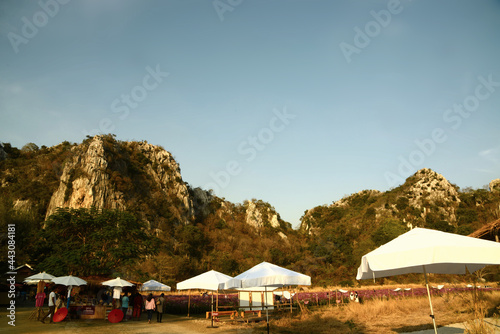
91 311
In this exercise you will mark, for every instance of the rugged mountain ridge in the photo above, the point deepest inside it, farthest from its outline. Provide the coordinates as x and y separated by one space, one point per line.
425 197
340 233
105 173
100 174
200 231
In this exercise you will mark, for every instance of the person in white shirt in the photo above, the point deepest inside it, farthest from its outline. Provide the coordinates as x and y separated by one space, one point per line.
117 291
52 305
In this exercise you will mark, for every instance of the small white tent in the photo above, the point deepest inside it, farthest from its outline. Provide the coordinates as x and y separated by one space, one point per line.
210 280
153 285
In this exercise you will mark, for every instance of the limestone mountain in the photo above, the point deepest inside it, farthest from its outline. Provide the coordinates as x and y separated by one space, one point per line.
105 173
342 232
200 231
140 178
426 199
135 176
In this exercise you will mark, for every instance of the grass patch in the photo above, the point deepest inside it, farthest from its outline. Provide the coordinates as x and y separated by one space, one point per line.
392 315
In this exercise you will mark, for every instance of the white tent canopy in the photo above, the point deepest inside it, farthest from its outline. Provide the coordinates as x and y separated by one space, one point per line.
153 285
429 251
211 280
267 274
439 252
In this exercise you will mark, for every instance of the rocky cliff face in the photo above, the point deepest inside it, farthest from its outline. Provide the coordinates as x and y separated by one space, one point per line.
495 185
142 178
102 173
260 215
431 192
106 173
84 182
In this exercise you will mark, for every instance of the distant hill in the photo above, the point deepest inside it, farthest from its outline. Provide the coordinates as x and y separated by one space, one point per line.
345 230
200 231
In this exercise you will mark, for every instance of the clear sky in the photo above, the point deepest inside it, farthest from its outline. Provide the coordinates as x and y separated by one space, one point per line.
294 102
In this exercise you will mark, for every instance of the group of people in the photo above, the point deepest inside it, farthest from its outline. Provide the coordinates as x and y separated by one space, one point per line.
133 306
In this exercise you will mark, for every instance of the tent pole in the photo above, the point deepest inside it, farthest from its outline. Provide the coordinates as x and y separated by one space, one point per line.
430 301
212 307
217 302
267 310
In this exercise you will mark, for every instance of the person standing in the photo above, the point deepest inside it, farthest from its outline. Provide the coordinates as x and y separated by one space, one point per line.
117 291
138 301
40 299
52 305
150 306
159 307
125 301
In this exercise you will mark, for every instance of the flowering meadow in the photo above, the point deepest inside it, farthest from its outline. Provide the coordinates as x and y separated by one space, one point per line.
201 303
344 296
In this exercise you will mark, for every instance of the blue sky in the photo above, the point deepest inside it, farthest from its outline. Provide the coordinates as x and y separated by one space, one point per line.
297 103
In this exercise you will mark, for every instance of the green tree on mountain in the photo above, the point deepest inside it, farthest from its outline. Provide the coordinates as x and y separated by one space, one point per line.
92 242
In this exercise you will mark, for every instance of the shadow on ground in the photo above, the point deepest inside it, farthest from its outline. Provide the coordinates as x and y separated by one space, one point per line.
424 329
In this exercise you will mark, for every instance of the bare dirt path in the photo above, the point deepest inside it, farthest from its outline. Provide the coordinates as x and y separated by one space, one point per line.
170 324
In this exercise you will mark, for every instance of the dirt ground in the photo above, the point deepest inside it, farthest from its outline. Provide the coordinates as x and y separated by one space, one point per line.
170 324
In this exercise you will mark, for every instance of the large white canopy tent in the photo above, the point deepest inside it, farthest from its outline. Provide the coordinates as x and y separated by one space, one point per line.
266 275
211 280
429 251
